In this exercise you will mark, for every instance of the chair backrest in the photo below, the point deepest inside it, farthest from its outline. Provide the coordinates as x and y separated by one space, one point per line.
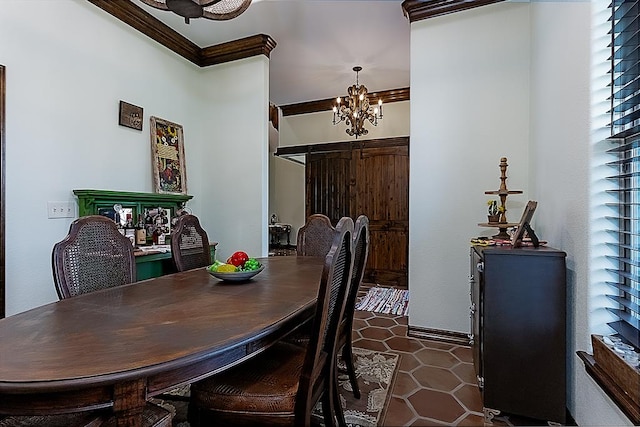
189 244
319 364
93 256
315 236
360 256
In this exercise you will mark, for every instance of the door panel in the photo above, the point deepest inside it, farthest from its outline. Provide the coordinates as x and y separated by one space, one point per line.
326 192
371 179
380 189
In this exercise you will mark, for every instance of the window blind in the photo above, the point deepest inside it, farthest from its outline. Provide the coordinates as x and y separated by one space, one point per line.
625 130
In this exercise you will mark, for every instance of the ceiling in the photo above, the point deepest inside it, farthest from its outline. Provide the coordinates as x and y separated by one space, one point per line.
318 43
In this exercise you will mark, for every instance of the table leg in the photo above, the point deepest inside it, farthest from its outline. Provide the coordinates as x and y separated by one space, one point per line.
129 400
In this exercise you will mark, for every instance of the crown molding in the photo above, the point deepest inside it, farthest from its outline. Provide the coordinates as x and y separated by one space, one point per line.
387 96
260 44
417 10
134 16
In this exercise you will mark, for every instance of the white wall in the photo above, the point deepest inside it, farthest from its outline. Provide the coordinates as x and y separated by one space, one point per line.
235 162
469 108
568 112
68 65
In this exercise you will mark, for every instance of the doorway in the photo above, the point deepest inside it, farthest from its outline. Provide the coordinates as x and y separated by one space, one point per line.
371 178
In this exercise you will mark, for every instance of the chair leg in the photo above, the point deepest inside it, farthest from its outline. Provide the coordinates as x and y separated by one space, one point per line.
347 357
338 406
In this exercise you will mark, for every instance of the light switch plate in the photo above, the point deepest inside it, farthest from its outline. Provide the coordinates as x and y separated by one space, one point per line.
60 209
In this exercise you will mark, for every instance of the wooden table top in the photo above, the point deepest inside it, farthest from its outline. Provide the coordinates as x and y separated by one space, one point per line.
167 330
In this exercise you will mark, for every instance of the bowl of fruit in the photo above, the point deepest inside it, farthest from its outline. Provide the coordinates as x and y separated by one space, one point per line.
239 267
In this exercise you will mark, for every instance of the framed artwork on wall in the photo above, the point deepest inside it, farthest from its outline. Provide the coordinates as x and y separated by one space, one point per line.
130 115
168 162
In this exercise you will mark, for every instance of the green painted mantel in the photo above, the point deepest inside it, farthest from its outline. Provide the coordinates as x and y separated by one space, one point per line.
89 201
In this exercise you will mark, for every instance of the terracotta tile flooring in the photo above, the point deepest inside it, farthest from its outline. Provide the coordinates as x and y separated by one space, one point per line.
435 383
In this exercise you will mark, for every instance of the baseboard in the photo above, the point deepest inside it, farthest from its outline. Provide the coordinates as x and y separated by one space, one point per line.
451 337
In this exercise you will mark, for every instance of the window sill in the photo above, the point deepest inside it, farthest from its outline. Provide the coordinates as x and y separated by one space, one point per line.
610 387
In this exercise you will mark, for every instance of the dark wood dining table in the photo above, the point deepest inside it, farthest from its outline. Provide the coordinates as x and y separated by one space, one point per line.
117 347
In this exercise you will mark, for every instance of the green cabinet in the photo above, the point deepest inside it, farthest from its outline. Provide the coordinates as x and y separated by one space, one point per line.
102 202
91 202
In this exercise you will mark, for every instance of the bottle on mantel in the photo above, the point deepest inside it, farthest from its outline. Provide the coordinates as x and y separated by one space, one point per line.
141 232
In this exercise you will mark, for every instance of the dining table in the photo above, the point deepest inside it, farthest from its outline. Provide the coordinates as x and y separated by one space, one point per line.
117 347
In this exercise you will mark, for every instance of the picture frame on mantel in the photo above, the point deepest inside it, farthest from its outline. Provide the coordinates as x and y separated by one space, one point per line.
168 161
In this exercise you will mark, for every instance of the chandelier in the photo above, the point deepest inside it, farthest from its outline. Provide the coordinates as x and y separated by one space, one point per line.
219 10
356 109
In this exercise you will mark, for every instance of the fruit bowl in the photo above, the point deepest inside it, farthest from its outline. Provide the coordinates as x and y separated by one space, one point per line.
235 276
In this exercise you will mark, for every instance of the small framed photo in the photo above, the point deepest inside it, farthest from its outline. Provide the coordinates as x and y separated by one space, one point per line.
525 223
168 161
130 115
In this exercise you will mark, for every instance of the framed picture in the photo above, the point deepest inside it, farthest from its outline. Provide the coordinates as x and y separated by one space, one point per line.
524 224
130 115
167 152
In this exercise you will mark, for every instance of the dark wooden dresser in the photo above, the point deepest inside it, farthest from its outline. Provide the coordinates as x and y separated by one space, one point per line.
518 330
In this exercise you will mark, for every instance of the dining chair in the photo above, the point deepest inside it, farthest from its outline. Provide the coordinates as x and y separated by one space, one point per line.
189 244
93 256
315 236
345 332
282 385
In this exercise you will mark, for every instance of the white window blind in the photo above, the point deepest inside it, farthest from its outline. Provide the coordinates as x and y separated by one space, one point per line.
625 130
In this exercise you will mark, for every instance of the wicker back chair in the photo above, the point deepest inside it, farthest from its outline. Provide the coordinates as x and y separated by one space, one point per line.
345 339
93 256
282 385
189 244
315 236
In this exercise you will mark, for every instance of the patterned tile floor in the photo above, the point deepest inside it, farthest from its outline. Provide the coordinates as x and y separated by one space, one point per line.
435 384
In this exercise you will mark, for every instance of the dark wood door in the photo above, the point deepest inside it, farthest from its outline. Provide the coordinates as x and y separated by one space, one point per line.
370 178
380 190
327 190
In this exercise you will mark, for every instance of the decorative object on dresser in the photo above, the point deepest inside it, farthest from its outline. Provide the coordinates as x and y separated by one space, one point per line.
518 330
502 224
168 162
524 226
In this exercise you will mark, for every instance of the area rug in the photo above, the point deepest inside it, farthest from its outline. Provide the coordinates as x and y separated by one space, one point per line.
375 371
385 300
